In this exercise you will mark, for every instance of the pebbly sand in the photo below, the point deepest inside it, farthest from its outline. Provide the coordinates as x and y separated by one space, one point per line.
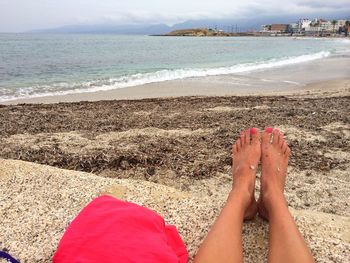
38 202
172 155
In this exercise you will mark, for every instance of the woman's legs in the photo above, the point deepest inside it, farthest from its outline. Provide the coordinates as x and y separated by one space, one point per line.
285 241
224 241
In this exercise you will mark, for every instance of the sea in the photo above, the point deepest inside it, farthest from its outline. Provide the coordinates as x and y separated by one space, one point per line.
38 65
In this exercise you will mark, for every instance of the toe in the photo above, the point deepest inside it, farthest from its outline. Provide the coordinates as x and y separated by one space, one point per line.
238 144
281 139
275 136
242 138
247 136
234 148
287 151
255 134
267 135
284 147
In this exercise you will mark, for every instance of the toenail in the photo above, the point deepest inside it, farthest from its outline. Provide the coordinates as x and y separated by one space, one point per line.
269 129
253 131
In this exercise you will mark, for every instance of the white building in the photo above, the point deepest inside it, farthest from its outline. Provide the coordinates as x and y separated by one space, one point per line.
294 27
325 25
265 28
304 24
319 25
341 22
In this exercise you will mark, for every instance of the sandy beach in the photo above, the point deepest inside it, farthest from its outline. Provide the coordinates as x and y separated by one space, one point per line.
287 80
173 155
160 103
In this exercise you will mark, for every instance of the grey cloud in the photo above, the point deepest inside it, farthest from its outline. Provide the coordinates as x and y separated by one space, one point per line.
324 4
23 15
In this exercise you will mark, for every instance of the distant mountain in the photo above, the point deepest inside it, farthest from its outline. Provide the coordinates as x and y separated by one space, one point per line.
108 29
232 24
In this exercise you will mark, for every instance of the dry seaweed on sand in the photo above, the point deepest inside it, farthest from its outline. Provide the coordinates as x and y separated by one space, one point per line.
191 136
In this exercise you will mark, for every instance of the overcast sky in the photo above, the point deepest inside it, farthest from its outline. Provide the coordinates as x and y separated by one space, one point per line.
24 15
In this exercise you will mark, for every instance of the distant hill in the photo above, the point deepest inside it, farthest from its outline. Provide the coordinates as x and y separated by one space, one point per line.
204 32
190 32
229 25
108 29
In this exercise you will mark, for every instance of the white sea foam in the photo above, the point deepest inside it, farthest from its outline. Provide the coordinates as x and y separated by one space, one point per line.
343 40
292 82
158 76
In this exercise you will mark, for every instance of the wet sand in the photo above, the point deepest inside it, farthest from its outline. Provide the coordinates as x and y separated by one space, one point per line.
275 81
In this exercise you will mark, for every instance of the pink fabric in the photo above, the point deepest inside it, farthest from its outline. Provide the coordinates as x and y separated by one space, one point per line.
110 230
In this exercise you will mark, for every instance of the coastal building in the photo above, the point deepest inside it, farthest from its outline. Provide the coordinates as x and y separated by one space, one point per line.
341 23
325 26
304 24
275 29
294 27
280 28
313 28
265 28
319 26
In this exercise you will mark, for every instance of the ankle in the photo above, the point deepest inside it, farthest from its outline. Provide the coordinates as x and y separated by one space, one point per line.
240 196
244 179
274 199
245 169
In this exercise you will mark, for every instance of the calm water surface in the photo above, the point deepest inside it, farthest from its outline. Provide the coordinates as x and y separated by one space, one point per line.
34 65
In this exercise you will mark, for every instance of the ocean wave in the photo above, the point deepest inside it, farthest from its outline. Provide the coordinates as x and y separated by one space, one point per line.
343 40
152 77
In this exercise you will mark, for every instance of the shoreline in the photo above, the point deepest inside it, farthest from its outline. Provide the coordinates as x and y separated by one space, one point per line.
287 80
254 34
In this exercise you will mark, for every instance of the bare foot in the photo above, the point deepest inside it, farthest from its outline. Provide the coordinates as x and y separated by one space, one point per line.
274 161
246 154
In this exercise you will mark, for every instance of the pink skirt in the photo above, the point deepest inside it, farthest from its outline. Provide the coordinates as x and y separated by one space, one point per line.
111 230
